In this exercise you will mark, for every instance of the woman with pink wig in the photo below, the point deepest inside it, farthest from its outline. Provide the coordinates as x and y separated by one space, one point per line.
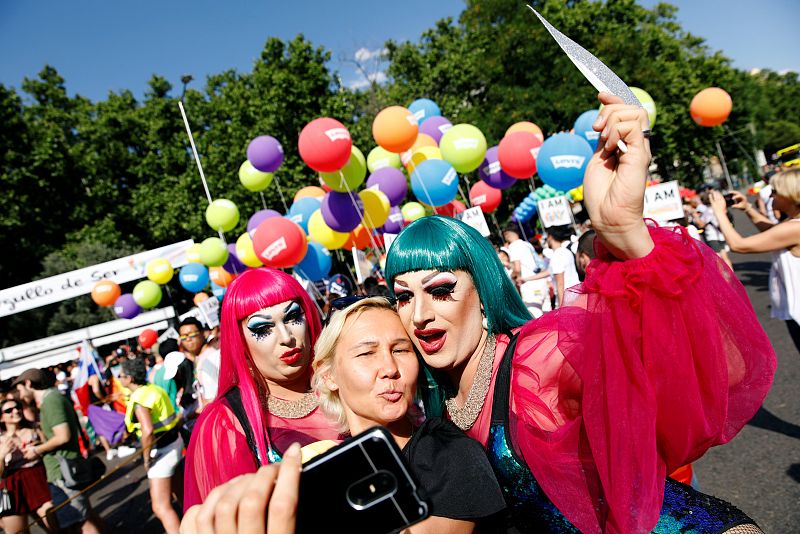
269 326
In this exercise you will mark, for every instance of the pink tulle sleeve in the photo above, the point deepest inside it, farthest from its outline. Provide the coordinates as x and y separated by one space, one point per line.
653 361
217 453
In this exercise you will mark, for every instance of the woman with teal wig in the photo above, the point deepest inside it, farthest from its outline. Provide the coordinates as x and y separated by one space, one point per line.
584 411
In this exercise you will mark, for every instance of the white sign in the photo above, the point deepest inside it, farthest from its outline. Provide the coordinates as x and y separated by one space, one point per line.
474 218
662 202
555 211
74 283
169 333
210 310
388 239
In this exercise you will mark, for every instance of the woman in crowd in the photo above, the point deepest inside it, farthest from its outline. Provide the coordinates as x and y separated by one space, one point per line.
782 239
365 372
268 326
584 411
24 480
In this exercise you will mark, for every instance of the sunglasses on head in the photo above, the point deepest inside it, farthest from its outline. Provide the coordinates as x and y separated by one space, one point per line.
344 302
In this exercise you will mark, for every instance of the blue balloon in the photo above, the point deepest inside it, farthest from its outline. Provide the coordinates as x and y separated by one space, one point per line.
316 264
218 291
302 209
562 161
340 284
434 182
528 202
193 277
424 108
583 127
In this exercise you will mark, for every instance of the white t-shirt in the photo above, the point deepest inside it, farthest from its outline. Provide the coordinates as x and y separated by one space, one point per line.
765 194
563 262
533 291
208 372
711 230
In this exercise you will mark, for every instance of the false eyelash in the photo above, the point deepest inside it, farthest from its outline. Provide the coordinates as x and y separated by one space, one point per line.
441 291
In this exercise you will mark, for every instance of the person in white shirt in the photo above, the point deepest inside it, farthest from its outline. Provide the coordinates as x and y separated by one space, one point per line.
562 263
708 222
531 281
764 202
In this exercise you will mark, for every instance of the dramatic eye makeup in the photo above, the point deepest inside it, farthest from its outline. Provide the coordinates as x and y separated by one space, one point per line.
441 285
293 314
260 326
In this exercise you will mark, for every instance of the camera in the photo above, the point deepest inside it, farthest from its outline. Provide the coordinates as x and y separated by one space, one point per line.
729 201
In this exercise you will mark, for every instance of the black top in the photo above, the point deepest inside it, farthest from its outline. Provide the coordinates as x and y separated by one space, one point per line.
184 378
453 472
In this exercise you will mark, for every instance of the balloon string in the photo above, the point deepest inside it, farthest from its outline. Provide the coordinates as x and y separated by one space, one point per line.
530 184
522 228
263 200
425 189
280 192
315 289
194 151
465 197
361 213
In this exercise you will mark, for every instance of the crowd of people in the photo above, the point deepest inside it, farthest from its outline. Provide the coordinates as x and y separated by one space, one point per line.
521 398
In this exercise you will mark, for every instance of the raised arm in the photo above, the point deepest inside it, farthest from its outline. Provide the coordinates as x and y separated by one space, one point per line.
773 237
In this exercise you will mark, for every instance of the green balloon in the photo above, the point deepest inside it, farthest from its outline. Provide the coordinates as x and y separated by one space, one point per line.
222 215
252 179
213 252
379 158
350 176
147 294
464 146
647 103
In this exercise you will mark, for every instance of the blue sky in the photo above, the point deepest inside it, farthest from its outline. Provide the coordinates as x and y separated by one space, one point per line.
101 46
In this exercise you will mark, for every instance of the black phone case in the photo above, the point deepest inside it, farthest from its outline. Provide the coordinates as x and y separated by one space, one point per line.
368 464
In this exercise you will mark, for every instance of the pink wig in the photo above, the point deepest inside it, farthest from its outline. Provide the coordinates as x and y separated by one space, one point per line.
251 291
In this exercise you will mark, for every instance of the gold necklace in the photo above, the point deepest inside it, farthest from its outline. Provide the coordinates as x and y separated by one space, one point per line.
292 409
465 417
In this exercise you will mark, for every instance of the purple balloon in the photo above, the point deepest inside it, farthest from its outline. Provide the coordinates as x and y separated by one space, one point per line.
339 211
265 153
435 127
391 182
394 223
259 217
491 173
233 265
125 307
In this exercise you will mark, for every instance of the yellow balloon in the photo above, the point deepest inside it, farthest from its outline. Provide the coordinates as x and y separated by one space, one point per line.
323 234
421 154
412 211
159 270
193 253
376 207
245 252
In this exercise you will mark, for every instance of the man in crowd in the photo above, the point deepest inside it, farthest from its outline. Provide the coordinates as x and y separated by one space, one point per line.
532 282
562 262
159 370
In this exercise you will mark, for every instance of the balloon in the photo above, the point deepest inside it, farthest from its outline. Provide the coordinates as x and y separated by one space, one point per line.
340 284
125 307
577 194
159 270
259 217
218 291
485 196
325 145
323 234
423 140
525 126
302 209
380 158
147 338
280 243
234 265
711 107
647 103
222 215
220 276
252 179
434 182
412 211
265 153
451 208
213 252
421 154
435 127
583 127
464 146
358 238
193 277
105 293
424 108
310 191
342 212
199 297
394 223
316 264
376 207
391 182
517 153
245 251
349 177
147 294
193 253
492 173
395 129
562 161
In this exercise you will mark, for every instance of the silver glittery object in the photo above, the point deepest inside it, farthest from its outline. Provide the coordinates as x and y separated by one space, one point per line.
465 417
601 77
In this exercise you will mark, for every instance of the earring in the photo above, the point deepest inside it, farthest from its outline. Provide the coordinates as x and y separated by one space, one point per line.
485 323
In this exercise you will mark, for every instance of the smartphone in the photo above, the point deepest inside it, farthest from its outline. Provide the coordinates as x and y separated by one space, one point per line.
361 485
729 199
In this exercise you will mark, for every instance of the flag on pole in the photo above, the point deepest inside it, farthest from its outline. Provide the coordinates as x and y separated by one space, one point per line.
87 366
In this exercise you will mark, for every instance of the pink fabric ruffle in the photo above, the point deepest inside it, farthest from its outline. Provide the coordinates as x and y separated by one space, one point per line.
652 361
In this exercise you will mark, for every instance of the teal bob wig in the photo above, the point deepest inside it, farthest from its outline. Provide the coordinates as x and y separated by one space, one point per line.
444 243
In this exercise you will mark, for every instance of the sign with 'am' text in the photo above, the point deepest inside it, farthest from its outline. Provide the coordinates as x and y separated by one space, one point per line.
662 202
555 211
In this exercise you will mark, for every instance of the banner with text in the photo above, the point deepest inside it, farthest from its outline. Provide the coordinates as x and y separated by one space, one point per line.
662 202
555 211
474 217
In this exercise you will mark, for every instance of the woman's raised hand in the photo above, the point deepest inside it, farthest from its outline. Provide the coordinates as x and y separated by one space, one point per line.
614 182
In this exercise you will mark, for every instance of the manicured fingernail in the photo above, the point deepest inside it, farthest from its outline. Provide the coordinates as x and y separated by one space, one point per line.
605 133
293 450
597 122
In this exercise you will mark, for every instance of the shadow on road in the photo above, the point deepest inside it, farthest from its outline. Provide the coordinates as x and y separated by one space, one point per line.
754 274
794 472
766 420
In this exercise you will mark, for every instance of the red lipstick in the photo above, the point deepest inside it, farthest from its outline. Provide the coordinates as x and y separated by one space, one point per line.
431 340
291 357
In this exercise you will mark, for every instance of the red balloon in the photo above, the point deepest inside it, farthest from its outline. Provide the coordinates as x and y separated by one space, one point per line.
517 154
325 145
359 238
280 243
484 196
148 338
451 208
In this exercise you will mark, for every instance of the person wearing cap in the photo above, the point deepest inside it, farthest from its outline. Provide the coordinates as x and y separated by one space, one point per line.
151 415
159 377
60 426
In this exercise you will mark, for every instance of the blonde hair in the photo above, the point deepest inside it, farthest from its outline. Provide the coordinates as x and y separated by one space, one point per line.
325 352
787 184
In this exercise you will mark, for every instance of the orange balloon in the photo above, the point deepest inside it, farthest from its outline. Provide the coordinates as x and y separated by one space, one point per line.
309 191
422 140
220 276
358 238
199 297
105 293
711 107
525 126
395 129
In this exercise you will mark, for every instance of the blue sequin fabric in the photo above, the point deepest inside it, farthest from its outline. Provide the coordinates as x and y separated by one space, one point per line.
684 510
